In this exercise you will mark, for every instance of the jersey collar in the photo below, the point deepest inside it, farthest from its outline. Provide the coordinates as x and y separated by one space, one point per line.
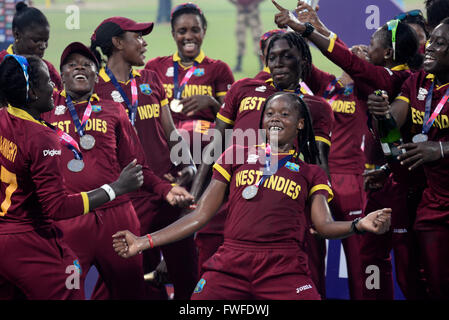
431 76
199 58
10 50
22 114
103 75
400 67
94 96
271 83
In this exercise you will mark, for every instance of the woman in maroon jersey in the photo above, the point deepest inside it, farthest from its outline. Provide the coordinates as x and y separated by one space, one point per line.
195 84
388 65
119 44
422 110
31 32
33 256
261 257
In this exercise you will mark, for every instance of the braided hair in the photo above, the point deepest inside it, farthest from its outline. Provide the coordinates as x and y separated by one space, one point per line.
13 89
294 40
306 137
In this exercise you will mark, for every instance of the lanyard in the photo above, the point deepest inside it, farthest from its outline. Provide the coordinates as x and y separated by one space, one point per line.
179 87
79 125
267 170
132 107
67 141
430 119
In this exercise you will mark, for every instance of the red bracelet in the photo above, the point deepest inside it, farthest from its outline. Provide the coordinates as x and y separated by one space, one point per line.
150 239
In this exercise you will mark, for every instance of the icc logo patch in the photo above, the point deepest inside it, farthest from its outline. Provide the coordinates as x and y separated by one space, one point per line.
96 108
145 88
60 110
199 286
199 72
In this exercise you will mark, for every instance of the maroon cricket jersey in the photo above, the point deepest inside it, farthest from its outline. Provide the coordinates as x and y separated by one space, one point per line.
414 92
346 154
151 100
33 192
211 78
277 212
116 145
244 101
54 74
367 76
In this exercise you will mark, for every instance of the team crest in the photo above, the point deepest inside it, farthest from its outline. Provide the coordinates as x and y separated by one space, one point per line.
199 286
199 72
116 96
96 108
169 72
145 89
422 94
60 110
292 166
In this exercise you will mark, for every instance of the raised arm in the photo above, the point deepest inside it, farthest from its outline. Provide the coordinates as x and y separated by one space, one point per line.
127 244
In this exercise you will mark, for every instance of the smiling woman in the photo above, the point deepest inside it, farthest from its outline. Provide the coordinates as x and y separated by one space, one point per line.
31 33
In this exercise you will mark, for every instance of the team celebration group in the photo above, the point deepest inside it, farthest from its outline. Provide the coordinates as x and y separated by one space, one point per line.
89 175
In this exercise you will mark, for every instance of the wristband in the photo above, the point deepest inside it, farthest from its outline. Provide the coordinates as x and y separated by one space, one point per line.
109 191
308 31
441 149
354 228
150 240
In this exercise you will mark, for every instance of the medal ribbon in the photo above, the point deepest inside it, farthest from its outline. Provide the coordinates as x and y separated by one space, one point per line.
67 141
79 125
267 171
179 87
430 119
132 107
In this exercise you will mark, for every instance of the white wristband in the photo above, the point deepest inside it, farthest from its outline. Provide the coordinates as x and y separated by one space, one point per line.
109 191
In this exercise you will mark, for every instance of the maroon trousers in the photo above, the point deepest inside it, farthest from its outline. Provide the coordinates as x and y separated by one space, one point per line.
40 265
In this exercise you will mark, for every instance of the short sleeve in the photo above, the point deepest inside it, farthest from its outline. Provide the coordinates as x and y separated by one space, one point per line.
224 79
322 118
320 183
405 93
228 111
223 167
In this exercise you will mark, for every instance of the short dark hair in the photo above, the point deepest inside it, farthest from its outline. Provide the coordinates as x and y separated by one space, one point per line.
26 16
187 8
12 80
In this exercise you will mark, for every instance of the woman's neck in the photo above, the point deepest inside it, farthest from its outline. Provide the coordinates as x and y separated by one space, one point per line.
441 79
79 96
120 68
186 61
281 148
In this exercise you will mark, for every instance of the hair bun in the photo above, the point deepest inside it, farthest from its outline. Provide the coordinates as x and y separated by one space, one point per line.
21 6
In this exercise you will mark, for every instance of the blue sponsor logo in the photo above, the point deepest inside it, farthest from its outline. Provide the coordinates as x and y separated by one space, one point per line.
145 88
199 286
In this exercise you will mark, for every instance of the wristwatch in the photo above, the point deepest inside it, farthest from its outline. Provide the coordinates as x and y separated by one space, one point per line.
308 31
